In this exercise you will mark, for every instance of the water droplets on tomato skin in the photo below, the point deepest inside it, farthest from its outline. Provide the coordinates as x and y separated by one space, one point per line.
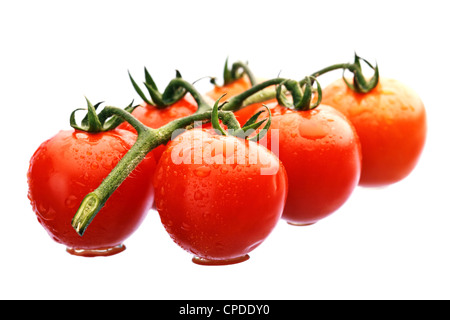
94 165
198 195
202 171
45 212
71 202
186 227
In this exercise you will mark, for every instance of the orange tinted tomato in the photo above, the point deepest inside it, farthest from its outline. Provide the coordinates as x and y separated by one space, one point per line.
391 123
321 153
67 167
232 89
212 178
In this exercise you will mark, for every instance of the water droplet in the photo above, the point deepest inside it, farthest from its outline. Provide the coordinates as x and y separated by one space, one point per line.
169 223
94 165
202 171
220 246
198 195
311 130
45 213
185 226
71 202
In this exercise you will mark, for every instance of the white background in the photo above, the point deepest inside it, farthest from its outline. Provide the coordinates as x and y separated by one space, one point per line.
389 243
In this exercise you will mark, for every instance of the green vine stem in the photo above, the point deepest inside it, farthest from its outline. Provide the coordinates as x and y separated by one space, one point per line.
264 92
360 83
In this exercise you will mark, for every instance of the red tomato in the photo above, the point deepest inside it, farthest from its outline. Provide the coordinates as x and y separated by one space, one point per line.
391 124
321 153
228 200
65 168
155 117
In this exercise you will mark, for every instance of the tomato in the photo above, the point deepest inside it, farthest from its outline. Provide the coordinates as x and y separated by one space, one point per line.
231 89
321 153
155 117
65 168
391 123
229 195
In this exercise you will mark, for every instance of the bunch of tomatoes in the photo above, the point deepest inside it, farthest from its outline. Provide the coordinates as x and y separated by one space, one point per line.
223 167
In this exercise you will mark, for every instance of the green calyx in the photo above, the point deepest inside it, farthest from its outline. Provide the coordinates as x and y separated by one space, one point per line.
234 128
158 99
175 90
95 122
302 94
237 71
360 83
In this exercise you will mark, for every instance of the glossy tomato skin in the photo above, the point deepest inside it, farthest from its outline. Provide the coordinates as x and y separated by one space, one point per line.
231 89
155 118
65 168
217 203
321 153
391 123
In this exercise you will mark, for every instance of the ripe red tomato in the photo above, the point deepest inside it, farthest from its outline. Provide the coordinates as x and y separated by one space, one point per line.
321 153
65 168
213 178
391 123
155 117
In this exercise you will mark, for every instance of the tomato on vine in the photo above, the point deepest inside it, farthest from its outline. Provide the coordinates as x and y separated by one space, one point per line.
73 163
320 150
390 120
235 83
161 108
212 176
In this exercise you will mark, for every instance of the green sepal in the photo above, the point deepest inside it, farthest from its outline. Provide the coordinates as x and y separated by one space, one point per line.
264 131
100 122
215 117
253 118
91 122
114 121
158 99
281 97
139 91
233 74
301 93
360 84
172 94
251 126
